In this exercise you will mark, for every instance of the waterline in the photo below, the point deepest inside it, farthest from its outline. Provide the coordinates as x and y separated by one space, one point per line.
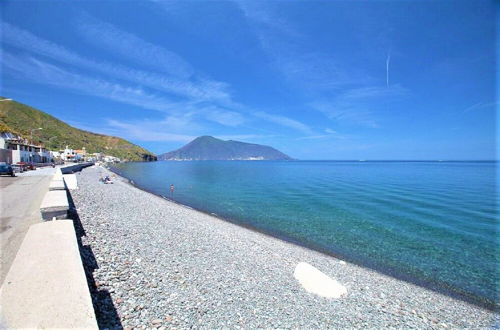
434 223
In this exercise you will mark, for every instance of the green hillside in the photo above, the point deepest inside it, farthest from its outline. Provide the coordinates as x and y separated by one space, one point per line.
20 119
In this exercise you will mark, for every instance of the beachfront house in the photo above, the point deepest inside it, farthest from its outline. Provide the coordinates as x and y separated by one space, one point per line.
97 156
14 149
69 155
55 154
81 154
111 159
73 155
42 154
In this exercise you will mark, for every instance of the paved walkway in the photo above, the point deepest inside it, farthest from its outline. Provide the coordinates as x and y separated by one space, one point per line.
20 200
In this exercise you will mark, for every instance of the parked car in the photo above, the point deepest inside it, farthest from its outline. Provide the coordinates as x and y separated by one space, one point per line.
17 168
6 169
22 165
26 166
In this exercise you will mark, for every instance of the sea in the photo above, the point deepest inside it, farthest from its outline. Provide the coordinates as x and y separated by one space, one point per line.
430 223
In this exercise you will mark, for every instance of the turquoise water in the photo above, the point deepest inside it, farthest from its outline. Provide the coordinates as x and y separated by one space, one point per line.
433 223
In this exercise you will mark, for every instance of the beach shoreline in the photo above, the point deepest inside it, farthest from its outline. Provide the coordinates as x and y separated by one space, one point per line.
409 303
428 283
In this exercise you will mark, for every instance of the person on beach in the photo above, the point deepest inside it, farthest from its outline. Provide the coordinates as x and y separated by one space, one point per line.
172 188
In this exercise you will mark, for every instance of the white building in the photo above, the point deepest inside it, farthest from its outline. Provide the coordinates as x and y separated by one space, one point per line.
55 154
111 159
16 149
97 156
70 155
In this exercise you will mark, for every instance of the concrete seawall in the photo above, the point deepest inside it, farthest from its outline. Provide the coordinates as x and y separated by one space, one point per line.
46 286
55 205
75 168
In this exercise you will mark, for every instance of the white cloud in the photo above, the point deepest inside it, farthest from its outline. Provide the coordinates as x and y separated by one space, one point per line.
183 122
163 131
359 106
331 134
314 137
302 66
261 14
128 45
199 97
346 112
336 87
223 117
194 89
182 114
374 92
243 137
48 74
147 131
23 39
284 121
479 106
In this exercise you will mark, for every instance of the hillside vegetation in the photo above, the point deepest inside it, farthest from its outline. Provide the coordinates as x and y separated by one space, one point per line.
20 119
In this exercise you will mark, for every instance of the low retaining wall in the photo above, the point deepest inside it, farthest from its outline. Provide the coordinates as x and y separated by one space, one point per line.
46 285
57 184
75 168
55 204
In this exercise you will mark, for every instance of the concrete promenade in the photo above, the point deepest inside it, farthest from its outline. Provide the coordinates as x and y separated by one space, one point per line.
20 201
46 286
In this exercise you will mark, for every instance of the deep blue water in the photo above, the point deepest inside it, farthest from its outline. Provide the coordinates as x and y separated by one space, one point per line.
433 222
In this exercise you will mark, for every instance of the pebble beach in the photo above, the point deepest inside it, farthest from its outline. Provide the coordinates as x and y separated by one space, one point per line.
158 264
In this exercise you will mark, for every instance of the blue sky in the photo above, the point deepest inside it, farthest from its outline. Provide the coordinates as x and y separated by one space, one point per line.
317 79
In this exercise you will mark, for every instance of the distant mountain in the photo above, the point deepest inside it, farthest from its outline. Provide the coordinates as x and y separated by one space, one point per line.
210 148
20 119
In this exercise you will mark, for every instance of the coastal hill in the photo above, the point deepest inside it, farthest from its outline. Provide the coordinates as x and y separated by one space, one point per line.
210 148
20 119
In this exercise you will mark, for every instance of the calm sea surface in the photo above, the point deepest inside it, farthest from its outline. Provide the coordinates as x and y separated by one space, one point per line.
433 222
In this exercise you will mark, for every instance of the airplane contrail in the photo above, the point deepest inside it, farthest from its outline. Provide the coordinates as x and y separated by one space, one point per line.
387 62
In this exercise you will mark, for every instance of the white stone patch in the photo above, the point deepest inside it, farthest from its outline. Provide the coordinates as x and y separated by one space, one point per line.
55 199
57 185
70 180
58 175
314 281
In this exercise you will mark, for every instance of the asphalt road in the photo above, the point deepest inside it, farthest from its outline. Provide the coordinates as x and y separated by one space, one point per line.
20 199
